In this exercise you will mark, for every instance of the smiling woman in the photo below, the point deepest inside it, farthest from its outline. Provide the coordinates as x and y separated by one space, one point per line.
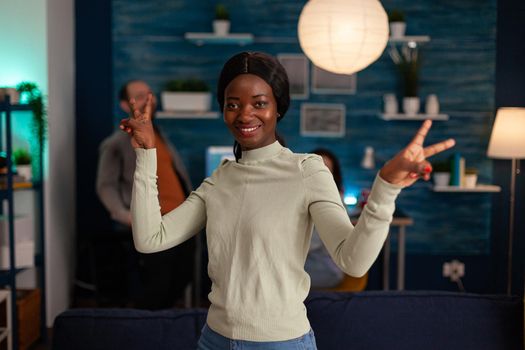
250 112
259 211
253 92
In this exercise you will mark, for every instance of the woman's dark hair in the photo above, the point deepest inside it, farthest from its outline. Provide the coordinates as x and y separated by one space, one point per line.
266 67
336 171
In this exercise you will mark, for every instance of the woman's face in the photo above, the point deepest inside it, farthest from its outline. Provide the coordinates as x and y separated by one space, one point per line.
250 111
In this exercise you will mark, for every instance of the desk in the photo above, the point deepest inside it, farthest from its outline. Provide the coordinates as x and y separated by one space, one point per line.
401 221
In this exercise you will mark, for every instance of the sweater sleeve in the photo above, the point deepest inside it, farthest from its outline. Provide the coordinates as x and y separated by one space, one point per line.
151 231
354 249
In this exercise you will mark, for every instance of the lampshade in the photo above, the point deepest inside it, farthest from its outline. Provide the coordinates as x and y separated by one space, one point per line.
507 140
343 36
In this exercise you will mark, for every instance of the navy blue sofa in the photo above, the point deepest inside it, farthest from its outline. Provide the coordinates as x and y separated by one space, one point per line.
367 320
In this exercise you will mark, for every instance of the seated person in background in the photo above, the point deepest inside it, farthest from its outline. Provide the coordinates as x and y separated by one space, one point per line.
324 273
164 275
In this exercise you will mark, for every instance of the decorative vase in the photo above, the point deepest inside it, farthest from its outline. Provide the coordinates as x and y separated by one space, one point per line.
390 104
470 180
25 171
368 161
441 179
221 27
411 105
397 29
432 105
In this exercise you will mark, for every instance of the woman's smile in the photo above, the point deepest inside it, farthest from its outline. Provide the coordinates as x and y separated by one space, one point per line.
250 111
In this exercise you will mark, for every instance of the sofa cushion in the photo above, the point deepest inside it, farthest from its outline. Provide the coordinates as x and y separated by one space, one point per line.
415 320
128 329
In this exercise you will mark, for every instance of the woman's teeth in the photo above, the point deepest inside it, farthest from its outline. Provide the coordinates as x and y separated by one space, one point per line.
249 129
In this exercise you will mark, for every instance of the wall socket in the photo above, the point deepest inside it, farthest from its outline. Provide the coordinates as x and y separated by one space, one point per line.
454 269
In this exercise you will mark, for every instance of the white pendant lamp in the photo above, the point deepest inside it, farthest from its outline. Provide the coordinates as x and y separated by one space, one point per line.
343 36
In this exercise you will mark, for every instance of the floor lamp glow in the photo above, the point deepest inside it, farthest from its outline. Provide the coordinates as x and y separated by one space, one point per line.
507 141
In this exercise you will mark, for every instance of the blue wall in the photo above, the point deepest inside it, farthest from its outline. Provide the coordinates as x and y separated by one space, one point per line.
458 66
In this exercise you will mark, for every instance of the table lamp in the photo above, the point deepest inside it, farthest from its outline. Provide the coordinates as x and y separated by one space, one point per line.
507 141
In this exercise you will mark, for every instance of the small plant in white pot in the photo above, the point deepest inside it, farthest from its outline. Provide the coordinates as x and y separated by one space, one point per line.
396 20
22 160
408 62
441 173
221 24
471 178
186 95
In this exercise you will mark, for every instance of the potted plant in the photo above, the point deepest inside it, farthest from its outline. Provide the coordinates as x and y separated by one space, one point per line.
471 177
30 93
186 95
408 63
22 160
441 173
221 24
396 21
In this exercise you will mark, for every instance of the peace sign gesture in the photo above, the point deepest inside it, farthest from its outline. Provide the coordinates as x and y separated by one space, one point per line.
139 125
411 163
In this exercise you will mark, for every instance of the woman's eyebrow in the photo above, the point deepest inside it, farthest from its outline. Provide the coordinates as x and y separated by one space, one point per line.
259 95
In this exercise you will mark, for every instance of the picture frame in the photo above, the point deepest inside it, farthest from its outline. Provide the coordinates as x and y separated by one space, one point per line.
323 119
325 82
297 68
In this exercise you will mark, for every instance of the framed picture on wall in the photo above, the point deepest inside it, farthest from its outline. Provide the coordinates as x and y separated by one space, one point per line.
296 66
325 82
323 119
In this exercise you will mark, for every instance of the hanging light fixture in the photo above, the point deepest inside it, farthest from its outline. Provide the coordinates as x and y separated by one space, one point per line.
343 36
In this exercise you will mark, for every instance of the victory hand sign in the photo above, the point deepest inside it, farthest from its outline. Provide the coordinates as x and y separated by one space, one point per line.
411 163
139 125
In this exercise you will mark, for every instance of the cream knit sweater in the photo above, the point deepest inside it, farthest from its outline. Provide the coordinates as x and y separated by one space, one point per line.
259 215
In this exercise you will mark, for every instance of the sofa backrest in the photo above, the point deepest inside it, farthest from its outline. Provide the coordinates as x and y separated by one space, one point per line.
346 321
415 320
128 329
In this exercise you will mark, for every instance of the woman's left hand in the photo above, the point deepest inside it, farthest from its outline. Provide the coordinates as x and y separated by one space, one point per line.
411 163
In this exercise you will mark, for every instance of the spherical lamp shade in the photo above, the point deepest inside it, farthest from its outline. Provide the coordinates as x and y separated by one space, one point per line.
343 36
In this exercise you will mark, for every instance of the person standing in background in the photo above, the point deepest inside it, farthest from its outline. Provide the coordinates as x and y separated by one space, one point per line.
164 275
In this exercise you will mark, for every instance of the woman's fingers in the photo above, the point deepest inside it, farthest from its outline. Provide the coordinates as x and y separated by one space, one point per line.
135 112
147 110
419 139
431 150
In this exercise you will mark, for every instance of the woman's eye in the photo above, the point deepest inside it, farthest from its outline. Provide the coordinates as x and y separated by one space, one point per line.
231 105
261 104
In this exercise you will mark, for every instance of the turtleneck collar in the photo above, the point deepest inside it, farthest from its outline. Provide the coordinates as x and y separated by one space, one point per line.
260 154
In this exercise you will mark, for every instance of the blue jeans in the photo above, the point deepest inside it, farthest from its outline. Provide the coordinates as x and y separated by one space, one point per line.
211 340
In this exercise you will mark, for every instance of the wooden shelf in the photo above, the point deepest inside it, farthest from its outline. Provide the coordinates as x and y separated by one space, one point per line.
478 188
187 115
200 39
409 38
419 116
16 107
16 185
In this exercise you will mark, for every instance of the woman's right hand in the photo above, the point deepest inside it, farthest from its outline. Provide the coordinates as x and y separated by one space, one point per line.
139 125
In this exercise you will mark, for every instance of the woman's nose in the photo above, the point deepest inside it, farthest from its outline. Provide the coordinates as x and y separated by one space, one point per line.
246 112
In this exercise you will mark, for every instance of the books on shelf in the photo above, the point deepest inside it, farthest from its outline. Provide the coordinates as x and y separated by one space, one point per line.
18 182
